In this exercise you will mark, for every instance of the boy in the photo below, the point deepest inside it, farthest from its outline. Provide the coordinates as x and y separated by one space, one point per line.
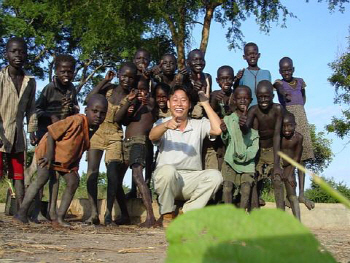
291 145
136 146
17 99
109 138
269 119
60 151
238 169
57 101
252 75
222 103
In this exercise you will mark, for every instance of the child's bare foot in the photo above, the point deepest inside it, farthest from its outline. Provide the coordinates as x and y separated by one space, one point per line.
92 220
123 220
308 203
150 222
62 223
21 219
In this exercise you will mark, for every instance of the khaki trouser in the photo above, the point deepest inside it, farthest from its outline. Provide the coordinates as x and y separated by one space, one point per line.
197 187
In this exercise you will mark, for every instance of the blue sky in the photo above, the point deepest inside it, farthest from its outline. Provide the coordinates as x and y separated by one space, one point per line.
313 39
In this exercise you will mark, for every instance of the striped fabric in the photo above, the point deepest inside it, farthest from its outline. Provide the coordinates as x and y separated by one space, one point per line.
13 108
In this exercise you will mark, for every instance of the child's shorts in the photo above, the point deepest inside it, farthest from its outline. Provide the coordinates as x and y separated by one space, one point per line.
238 179
110 140
135 150
15 163
265 163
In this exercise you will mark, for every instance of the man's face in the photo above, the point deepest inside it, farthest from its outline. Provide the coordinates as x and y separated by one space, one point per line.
225 79
65 72
141 60
16 54
196 62
168 66
242 99
96 113
161 98
287 70
251 55
265 97
127 77
288 127
179 104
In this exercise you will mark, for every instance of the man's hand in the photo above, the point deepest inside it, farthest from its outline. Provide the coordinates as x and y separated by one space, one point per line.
183 71
33 139
223 126
179 79
156 70
240 74
110 75
203 98
198 85
172 124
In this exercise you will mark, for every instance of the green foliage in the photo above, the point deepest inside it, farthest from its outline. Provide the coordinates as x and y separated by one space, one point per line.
225 234
318 195
340 79
322 151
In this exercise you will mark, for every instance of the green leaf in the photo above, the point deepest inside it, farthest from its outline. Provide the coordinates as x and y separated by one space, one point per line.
226 234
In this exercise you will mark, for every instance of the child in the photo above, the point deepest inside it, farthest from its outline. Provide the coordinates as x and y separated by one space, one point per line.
291 94
109 138
252 75
165 71
136 146
162 91
57 101
291 145
60 151
222 103
269 119
142 59
238 169
17 99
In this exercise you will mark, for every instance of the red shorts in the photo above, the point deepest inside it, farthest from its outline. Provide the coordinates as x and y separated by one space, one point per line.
15 163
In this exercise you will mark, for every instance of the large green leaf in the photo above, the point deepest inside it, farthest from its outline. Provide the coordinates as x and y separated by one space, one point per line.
225 234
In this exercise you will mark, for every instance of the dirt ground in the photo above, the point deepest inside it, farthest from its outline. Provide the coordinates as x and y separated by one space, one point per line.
43 243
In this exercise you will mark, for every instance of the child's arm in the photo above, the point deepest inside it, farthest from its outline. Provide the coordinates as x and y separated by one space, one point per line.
50 153
32 119
303 85
277 139
102 85
225 136
279 88
246 120
119 117
238 78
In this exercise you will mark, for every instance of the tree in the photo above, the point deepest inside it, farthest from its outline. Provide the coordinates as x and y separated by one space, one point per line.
99 34
322 151
180 16
340 79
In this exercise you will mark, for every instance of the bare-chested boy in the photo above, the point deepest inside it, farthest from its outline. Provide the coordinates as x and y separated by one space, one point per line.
109 138
291 145
136 145
269 118
60 150
222 103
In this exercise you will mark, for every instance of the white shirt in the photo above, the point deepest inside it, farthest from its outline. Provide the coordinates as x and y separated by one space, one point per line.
183 149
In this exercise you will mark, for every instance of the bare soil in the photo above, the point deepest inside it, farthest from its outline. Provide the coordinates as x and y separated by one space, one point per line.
81 243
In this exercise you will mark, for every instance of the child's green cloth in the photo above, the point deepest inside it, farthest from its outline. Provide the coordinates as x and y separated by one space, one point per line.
241 149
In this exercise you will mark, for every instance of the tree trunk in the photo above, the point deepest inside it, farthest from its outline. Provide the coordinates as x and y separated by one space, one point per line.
209 12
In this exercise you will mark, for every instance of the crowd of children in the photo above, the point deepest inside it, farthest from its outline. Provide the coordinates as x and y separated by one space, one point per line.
253 130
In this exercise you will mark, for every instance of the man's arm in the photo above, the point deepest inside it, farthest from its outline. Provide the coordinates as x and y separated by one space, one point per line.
214 119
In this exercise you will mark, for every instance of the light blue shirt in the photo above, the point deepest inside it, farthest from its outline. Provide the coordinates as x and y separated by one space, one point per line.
251 78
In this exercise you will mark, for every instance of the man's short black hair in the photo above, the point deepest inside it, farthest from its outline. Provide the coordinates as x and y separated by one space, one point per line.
183 88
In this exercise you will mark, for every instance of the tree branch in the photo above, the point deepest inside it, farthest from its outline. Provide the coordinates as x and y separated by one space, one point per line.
83 80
